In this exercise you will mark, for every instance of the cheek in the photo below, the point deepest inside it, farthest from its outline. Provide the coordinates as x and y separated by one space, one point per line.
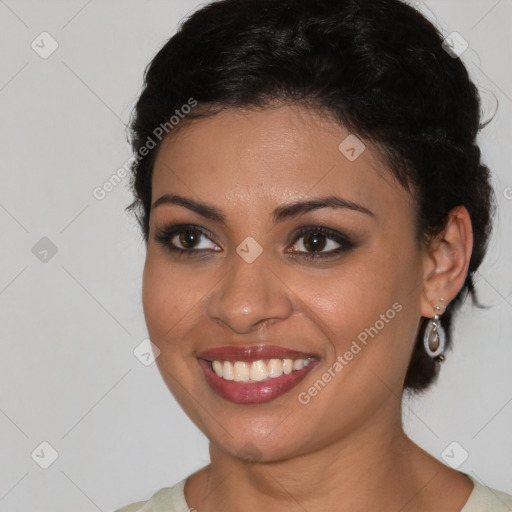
367 300
169 294
160 309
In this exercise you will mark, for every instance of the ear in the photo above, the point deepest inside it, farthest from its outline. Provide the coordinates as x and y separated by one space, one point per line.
446 262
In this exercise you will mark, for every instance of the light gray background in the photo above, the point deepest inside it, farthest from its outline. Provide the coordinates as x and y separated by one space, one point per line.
69 325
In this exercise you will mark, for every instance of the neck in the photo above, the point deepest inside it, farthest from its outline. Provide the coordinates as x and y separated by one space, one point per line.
377 467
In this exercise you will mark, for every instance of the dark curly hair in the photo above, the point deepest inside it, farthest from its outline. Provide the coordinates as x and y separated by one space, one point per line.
376 66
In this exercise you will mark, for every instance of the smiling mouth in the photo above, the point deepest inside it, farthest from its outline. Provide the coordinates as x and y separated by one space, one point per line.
253 375
257 371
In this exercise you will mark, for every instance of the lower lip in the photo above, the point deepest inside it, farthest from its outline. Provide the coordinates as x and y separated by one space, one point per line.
254 392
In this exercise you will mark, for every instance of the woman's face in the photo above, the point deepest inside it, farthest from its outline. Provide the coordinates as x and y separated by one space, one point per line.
343 294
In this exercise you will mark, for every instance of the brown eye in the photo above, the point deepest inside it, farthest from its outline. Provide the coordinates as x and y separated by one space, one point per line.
315 242
189 238
186 239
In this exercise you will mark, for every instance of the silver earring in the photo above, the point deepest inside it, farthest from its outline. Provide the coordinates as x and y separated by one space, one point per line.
434 338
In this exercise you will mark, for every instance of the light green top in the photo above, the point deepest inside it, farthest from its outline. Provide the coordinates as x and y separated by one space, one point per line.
172 499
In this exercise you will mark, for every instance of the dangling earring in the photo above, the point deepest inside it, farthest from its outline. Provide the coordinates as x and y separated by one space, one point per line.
434 338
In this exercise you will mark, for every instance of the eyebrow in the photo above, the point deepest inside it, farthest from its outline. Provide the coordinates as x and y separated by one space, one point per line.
280 214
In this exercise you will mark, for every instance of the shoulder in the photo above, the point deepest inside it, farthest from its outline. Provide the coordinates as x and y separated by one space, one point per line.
167 499
487 499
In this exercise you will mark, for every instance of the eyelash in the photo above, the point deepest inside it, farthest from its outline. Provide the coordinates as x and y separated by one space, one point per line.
165 235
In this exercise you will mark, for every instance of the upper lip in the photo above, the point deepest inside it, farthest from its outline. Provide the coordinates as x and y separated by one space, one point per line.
251 353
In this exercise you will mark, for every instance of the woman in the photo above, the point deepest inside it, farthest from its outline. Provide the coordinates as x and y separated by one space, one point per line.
314 206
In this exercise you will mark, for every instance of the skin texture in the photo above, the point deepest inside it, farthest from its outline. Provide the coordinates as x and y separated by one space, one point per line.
345 449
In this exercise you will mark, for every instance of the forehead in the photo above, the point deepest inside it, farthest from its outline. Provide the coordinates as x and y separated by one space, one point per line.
272 155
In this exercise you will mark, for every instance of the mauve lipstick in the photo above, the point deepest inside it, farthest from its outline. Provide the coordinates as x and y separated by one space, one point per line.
253 392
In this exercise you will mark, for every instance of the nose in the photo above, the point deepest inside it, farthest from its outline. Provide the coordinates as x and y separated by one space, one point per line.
249 295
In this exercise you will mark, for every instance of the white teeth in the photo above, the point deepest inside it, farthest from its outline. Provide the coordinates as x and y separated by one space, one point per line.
241 371
217 368
257 371
298 364
227 371
275 368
